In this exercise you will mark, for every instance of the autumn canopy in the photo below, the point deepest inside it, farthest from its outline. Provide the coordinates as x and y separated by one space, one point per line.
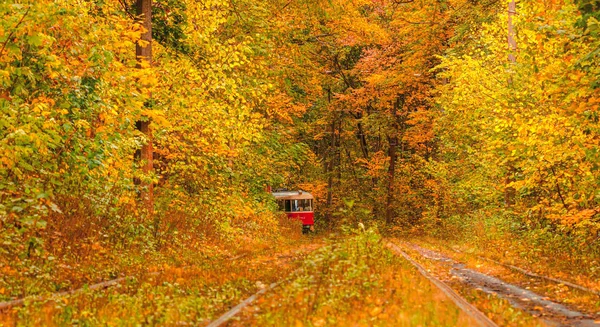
150 126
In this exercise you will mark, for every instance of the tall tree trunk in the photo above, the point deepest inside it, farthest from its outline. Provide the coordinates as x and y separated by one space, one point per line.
509 191
392 153
329 167
512 43
338 151
144 56
330 170
389 209
364 147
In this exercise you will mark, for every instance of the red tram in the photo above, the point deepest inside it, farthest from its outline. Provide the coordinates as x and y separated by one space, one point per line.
297 205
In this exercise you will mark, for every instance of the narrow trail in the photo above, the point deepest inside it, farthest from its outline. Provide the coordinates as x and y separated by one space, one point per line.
551 312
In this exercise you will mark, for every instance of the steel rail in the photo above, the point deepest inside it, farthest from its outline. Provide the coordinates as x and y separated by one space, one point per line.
235 310
36 298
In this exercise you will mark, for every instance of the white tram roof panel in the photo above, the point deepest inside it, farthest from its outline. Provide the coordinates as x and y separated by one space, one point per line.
292 195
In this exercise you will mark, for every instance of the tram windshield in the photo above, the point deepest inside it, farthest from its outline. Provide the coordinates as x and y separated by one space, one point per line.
295 205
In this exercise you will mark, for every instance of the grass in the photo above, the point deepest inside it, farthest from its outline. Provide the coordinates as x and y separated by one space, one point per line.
178 295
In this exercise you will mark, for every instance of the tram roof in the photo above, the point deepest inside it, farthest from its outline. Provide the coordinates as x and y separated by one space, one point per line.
292 195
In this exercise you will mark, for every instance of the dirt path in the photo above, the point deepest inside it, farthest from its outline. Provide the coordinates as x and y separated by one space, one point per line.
552 313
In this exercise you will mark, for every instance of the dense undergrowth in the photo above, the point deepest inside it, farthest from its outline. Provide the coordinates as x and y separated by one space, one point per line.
74 205
62 266
67 261
181 284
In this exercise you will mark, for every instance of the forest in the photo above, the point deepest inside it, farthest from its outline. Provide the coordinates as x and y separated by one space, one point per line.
452 148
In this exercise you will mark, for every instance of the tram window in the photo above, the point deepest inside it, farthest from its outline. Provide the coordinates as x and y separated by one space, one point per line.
288 206
303 205
308 205
295 205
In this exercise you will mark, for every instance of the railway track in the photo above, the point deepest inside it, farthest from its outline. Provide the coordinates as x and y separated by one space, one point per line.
481 319
463 304
98 286
529 273
235 310
552 313
534 275
238 308
7 305
408 251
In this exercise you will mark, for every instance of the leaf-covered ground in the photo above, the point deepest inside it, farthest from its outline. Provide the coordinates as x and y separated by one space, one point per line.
346 279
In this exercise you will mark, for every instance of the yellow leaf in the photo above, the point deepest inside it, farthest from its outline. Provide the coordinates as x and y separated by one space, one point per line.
375 311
